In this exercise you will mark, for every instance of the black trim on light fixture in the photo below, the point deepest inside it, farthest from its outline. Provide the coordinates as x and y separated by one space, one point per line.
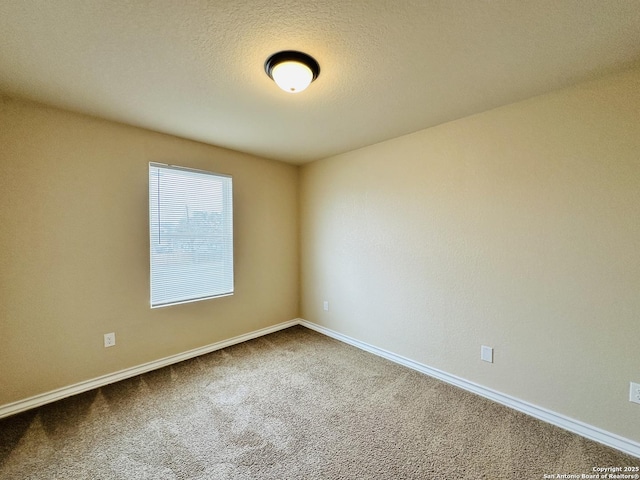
295 56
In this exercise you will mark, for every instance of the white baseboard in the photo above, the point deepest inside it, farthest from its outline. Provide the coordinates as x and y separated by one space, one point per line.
588 431
60 393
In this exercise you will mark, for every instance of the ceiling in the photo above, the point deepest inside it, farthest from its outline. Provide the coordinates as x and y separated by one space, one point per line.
195 68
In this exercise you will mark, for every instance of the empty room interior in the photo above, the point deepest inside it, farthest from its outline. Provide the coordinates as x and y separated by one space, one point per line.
456 194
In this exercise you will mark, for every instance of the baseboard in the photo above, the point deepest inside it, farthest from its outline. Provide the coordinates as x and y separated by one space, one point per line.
60 393
588 431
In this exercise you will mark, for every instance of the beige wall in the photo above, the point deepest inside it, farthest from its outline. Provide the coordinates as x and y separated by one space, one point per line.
518 228
74 260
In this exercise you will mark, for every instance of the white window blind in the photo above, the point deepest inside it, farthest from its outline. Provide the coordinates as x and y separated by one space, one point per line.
191 233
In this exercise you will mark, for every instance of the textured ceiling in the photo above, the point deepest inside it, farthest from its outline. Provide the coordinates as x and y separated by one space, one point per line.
195 68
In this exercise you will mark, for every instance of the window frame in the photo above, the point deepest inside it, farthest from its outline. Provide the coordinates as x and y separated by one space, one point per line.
227 236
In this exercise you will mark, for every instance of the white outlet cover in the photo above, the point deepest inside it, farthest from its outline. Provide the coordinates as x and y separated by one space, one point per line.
486 354
325 305
109 339
634 392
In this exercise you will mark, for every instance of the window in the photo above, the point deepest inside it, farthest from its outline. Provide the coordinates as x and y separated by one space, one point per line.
191 234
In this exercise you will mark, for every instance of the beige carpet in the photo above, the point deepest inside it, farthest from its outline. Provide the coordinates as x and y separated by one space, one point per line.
291 405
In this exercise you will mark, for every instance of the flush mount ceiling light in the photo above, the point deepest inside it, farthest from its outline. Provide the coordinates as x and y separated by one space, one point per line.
292 71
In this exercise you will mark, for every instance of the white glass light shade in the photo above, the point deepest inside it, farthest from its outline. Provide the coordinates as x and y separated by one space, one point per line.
292 76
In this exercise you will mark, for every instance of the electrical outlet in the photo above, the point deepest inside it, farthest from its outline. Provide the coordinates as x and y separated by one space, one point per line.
109 340
325 305
486 354
634 392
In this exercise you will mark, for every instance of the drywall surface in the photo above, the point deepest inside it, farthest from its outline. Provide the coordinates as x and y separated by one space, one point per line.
518 228
74 249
